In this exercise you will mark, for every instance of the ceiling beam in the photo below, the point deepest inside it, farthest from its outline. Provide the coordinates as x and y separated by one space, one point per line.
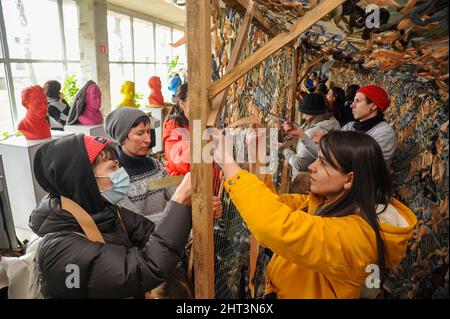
258 20
220 100
275 44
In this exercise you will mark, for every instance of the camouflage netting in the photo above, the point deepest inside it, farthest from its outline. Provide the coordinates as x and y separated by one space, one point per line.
265 89
408 57
419 114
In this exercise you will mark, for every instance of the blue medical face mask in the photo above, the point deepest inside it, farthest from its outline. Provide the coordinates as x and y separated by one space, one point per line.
121 181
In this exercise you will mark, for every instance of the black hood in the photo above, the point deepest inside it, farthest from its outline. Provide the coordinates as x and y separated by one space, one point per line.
62 168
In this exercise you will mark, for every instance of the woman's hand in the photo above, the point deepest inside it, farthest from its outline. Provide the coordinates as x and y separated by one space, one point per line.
223 154
255 139
293 130
223 149
182 194
217 207
252 136
288 142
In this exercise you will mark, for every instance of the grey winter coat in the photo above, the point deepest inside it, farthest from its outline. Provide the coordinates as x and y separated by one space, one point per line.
384 134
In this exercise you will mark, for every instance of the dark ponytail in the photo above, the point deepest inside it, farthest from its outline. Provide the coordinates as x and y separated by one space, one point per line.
356 152
177 113
52 89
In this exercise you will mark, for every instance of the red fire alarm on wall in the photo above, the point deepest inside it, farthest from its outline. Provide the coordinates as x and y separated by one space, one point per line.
102 48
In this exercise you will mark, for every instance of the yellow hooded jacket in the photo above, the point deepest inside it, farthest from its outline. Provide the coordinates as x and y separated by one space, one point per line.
314 256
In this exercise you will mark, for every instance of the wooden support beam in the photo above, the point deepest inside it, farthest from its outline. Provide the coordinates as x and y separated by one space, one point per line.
285 178
300 62
309 67
281 40
199 78
220 100
258 20
295 65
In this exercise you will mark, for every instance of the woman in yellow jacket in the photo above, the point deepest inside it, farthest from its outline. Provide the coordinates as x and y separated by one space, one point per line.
327 243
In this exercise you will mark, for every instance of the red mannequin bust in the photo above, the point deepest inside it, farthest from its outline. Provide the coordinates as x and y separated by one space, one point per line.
35 126
156 97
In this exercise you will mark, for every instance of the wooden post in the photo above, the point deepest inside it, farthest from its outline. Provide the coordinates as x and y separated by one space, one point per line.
278 42
308 67
285 175
285 178
220 100
300 63
199 78
295 66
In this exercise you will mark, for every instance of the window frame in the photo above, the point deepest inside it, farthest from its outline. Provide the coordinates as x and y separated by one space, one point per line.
154 22
8 61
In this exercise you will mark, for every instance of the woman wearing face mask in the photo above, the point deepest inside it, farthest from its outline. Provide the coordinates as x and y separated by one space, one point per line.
323 242
137 255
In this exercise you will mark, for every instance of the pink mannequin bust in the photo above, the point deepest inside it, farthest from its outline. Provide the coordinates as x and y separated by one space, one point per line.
35 126
93 99
155 97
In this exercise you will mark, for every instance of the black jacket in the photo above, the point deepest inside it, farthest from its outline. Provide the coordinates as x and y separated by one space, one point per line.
128 264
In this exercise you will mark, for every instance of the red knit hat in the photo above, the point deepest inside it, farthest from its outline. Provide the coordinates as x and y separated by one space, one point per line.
94 146
377 95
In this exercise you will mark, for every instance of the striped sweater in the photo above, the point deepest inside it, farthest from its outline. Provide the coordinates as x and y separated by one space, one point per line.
140 199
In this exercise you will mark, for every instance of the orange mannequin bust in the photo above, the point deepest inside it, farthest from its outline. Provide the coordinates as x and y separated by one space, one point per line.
155 97
35 125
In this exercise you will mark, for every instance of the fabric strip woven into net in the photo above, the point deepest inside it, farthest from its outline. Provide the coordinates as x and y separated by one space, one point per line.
419 114
265 89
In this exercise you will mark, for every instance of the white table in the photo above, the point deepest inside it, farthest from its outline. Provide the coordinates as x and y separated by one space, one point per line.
92 130
17 155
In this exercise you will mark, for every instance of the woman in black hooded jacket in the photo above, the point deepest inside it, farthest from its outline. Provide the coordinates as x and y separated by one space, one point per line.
137 255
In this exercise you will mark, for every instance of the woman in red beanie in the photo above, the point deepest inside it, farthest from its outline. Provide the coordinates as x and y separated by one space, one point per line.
117 253
368 108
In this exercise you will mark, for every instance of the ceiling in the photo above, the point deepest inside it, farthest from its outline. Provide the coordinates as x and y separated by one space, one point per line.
411 35
159 9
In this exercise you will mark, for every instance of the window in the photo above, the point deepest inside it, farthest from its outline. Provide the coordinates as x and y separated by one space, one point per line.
29 34
140 49
162 72
26 74
74 68
144 49
35 49
6 122
163 40
181 50
70 20
119 74
142 73
119 37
